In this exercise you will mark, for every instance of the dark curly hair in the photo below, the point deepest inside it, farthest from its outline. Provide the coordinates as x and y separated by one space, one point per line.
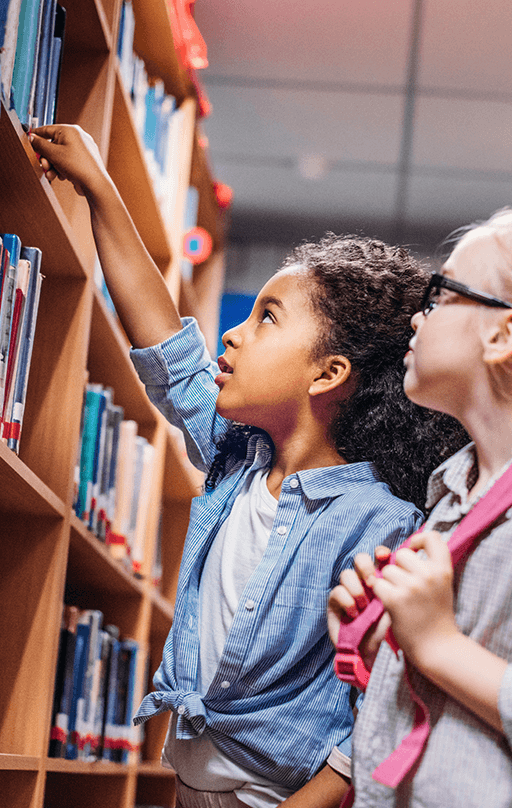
365 293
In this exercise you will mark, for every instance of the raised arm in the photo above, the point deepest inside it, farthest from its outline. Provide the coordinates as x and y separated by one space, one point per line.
140 295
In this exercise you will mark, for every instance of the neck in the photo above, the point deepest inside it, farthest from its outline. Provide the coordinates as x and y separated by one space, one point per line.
491 429
297 454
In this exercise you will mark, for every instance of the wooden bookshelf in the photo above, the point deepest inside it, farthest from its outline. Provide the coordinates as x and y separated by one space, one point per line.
47 553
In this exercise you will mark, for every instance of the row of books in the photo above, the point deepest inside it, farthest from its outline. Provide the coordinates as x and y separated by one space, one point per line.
113 477
153 108
160 124
20 288
94 690
31 39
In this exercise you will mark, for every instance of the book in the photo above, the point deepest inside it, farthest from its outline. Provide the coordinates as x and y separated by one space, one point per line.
83 631
13 420
25 62
55 65
86 701
95 400
141 502
20 296
9 18
12 244
63 683
117 539
44 61
121 731
109 732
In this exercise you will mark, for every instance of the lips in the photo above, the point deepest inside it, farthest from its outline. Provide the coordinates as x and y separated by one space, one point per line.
223 365
225 371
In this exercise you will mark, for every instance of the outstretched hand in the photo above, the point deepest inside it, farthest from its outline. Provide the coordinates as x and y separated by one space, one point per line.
350 599
68 153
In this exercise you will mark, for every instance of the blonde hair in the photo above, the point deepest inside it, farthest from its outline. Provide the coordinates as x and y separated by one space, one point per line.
499 227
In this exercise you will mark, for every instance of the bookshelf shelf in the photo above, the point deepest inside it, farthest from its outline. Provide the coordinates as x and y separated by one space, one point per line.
19 763
22 492
48 555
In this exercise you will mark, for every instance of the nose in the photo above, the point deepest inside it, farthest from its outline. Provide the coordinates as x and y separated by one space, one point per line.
232 337
416 319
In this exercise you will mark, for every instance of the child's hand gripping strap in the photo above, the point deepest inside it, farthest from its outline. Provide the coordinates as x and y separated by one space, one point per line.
349 665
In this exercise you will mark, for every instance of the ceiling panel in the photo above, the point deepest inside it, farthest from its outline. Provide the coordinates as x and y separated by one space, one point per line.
340 194
466 45
474 135
453 202
364 41
338 126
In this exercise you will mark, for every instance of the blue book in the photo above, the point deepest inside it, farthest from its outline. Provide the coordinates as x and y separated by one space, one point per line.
44 60
12 244
83 631
110 732
15 417
25 62
94 405
124 699
55 67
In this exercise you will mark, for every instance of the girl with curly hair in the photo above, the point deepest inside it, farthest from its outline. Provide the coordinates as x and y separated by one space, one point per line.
312 452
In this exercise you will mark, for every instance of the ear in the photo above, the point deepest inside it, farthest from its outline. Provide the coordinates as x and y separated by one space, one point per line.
333 371
497 340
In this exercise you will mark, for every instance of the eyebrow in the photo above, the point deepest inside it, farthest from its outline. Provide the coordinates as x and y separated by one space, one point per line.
265 301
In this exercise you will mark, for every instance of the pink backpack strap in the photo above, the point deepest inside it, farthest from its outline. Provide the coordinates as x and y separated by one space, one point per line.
350 667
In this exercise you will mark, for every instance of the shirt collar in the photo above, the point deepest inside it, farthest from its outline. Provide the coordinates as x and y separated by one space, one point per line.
321 483
457 474
333 481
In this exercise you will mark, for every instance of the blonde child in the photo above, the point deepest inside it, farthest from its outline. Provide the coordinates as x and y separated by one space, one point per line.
455 630
304 431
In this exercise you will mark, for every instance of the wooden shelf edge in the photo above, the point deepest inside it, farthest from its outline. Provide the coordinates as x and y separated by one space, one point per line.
120 578
31 494
19 763
147 769
101 767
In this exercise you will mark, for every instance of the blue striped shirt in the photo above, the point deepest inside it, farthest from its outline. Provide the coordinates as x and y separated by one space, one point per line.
274 705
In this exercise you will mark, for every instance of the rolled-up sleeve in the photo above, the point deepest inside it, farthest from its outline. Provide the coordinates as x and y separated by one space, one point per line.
179 376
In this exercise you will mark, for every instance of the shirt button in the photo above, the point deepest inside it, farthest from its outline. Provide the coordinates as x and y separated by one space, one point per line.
191 622
249 604
181 709
281 530
294 483
225 685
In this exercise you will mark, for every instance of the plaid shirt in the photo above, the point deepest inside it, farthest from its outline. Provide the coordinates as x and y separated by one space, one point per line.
274 705
466 764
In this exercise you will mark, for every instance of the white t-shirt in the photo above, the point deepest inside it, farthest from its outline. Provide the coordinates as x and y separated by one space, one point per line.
234 555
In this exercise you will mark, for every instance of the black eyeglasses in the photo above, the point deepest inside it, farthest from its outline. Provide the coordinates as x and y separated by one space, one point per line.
438 282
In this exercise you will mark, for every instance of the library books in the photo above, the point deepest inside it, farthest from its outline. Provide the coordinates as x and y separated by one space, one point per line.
31 59
153 109
94 690
20 288
113 477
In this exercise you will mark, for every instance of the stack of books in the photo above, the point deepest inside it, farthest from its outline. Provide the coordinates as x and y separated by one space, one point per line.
31 39
94 690
113 477
20 287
